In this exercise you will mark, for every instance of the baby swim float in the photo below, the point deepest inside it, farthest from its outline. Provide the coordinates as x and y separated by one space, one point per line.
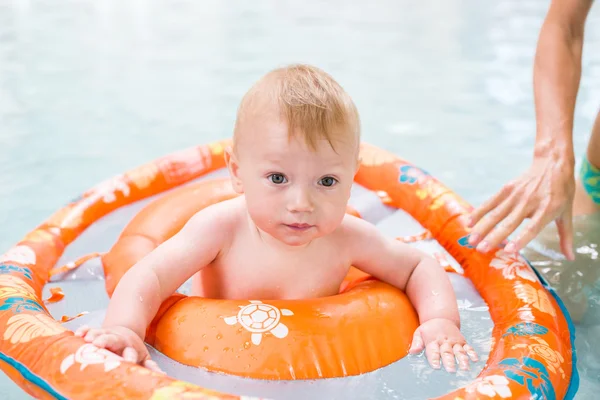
316 327
351 334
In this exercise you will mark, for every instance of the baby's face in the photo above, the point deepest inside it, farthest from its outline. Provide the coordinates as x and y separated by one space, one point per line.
294 193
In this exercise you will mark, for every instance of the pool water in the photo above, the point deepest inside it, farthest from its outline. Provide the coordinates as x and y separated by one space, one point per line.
90 89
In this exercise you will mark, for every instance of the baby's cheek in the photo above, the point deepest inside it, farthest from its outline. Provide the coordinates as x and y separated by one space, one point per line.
260 212
334 214
265 215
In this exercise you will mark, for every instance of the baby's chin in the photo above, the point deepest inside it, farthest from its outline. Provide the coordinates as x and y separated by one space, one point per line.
296 239
295 242
292 238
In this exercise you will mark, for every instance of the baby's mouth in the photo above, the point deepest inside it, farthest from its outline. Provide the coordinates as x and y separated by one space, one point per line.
299 227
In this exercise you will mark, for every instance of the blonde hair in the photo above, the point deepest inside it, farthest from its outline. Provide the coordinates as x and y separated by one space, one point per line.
312 103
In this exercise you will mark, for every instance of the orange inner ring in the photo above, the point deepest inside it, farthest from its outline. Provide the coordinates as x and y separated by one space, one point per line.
328 337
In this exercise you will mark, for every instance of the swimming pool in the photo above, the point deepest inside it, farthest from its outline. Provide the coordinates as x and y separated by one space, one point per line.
89 89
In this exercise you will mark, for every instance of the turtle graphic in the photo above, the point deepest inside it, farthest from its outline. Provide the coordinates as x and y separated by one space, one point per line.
88 354
259 318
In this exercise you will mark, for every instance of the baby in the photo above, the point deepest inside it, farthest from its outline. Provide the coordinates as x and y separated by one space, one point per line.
294 157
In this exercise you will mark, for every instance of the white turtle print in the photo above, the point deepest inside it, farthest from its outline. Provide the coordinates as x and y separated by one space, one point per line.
20 254
259 318
88 354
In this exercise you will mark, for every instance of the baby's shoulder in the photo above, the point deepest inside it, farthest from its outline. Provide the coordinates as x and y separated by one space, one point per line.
354 230
222 217
355 226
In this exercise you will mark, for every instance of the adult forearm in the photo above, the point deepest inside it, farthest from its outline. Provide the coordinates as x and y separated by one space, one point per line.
557 73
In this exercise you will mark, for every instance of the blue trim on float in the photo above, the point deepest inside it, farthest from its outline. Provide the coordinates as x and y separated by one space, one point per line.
574 382
31 377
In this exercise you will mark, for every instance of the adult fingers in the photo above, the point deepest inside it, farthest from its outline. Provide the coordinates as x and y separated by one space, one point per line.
531 230
490 221
490 204
503 229
564 225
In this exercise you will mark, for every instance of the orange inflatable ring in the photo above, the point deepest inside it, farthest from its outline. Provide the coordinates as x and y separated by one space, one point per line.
532 353
316 328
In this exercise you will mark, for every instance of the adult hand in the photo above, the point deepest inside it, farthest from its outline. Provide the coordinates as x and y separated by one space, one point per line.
544 193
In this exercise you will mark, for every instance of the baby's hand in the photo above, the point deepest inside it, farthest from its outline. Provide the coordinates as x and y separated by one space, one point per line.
441 335
121 341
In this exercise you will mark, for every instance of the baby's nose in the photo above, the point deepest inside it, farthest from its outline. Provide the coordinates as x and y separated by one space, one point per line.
300 201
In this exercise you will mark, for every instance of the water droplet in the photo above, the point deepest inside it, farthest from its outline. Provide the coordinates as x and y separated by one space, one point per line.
205 348
203 335
226 349
219 336
247 345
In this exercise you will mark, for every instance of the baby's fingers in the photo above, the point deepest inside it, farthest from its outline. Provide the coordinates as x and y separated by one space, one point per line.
92 334
110 341
417 343
432 352
448 357
153 366
461 355
130 354
471 352
82 331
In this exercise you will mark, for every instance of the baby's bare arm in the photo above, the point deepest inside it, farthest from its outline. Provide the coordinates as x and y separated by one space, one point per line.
148 283
411 270
426 284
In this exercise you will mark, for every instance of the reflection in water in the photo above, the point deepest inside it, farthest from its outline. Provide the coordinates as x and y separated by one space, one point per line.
577 283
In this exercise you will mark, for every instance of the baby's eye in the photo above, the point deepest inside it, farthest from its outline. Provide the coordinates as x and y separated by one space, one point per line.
328 181
277 179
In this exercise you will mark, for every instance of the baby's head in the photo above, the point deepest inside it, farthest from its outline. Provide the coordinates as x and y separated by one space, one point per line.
295 153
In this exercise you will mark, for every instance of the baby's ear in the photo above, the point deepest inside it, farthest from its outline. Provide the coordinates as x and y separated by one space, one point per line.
358 162
234 169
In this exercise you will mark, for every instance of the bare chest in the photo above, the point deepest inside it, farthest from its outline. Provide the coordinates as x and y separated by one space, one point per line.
252 271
